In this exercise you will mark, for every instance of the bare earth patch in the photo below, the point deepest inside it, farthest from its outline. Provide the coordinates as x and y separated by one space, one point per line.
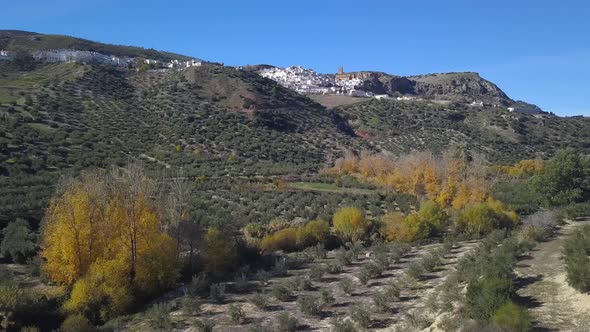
553 304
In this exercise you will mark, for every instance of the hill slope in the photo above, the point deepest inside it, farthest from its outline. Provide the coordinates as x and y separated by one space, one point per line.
210 120
222 122
500 135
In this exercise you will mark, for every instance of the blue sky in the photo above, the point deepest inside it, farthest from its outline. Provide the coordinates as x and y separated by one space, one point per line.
537 51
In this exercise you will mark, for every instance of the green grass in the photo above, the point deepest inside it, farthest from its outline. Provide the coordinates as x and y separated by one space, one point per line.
329 187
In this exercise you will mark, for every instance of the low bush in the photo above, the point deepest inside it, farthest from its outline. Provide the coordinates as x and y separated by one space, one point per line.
204 325
360 315
159 316
382 301
263 277
327 297
217 293
286 239
316 272
485 295
347 285
236 313
415 270
79 323
512 318
301 283
310 305
343 325
259 300
429 262
344 257
280 267
241 284
576 251
334 268
286 323
281 291
199 284
190 305
18 241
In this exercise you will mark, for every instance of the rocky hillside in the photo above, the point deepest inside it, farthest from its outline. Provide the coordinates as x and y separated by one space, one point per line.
456 87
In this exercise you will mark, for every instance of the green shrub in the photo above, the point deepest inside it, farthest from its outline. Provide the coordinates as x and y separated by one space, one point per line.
310 305
485 295
364 276
217 293
382 301
159 316
280 268
327 297
360 315
241 284
236 313
415 270
263 277
286 323
204 325
334 268
318 251
576 251
190 305
281 292
18 241
316 272
393 290
347 285
343 325
76 323
300 283
430 262
344 257
259 300
512 318
199 284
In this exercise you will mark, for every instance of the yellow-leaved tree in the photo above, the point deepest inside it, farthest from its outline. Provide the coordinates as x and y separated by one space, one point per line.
103 237
350 224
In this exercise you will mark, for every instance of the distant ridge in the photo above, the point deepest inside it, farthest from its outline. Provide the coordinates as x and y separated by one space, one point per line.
13 40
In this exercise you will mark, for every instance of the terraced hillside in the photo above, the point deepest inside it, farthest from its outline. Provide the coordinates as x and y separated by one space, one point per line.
211 120
400 126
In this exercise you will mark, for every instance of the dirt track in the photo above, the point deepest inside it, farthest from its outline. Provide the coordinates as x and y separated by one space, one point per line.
553 304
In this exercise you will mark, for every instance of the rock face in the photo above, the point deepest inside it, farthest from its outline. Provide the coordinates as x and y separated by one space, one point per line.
461 87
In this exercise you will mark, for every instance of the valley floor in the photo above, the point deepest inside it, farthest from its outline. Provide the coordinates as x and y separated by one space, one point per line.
553 304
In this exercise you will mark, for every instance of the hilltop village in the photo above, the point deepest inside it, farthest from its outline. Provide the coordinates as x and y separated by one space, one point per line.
308 81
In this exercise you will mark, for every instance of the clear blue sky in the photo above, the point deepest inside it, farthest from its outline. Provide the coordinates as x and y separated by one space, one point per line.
537 51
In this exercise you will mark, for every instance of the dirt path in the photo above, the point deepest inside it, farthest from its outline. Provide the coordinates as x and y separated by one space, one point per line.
553 304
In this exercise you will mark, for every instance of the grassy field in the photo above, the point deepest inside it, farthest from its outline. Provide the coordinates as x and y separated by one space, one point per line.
329 187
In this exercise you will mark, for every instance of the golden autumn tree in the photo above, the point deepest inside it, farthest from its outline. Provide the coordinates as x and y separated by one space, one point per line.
103 237
350 223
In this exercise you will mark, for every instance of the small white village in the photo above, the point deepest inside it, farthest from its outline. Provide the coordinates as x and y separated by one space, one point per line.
308 81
